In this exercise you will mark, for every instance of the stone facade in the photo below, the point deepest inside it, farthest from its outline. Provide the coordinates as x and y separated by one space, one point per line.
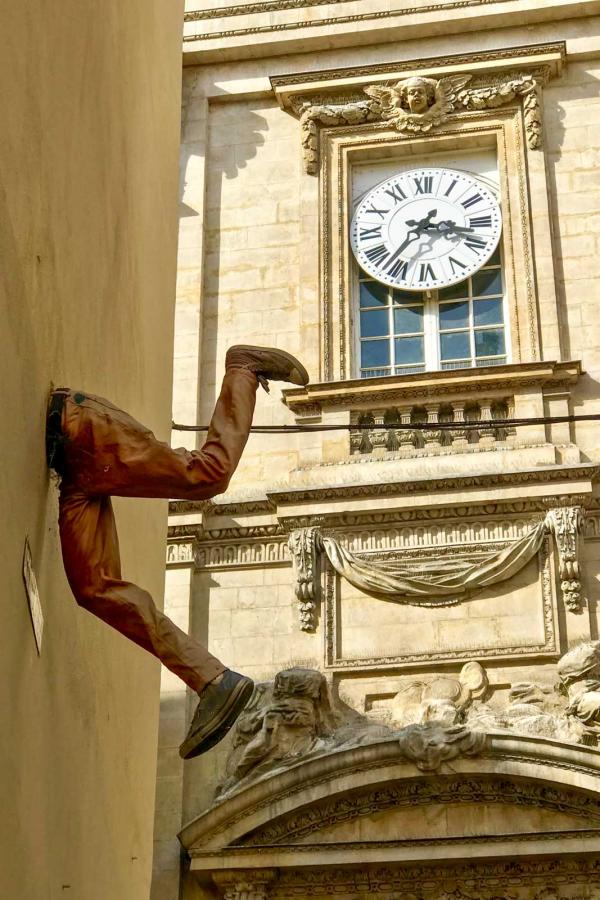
393 742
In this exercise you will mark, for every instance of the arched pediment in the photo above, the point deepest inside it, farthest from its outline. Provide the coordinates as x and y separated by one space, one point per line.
520 792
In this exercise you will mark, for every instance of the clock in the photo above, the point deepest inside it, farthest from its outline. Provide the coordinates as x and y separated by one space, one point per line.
426 228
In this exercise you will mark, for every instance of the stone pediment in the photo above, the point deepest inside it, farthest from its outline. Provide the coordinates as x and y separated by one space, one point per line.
376 797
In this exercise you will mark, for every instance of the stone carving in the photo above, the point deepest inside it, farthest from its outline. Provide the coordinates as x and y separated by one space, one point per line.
566 523
311 117
417 105
579 672
294 717
303 547
442 699
245 885
285 720
531 709
430 745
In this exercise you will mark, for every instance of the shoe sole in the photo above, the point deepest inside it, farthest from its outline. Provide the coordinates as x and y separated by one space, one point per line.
217 728
296 365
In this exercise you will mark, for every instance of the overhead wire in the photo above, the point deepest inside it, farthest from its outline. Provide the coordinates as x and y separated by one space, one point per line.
408 426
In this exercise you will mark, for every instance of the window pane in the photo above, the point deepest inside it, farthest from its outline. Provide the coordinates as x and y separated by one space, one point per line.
455 345
455 292
487 282
488 312
374 353
454 315
408 319
489 343
408 296
373 294
374 323
409 350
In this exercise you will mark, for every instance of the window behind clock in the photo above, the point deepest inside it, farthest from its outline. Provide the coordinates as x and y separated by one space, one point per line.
404 332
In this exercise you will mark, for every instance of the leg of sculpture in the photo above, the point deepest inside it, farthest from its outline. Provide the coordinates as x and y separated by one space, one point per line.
100 451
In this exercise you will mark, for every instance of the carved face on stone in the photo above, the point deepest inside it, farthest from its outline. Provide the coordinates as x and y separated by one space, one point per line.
418 94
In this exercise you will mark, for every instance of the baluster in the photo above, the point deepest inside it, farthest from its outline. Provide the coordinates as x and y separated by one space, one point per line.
433 439
379 435
459 435
487 434
405 435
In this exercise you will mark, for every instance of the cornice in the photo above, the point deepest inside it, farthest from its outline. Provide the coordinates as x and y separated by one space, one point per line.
457 383
552 55
546 475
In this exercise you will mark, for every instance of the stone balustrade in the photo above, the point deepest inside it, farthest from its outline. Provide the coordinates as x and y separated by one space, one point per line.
408 439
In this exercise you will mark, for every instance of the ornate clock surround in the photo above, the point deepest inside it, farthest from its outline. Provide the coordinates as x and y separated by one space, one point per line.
506 128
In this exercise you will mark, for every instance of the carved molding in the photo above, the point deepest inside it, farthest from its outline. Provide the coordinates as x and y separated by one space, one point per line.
304 549
421 792
245 885
546 879
218 554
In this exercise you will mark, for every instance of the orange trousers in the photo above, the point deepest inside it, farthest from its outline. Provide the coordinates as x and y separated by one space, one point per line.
109 453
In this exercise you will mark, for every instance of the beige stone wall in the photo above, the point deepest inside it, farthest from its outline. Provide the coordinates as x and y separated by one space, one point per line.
90 105
251 263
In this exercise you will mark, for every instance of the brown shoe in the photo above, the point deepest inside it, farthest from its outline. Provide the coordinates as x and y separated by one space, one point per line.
267 363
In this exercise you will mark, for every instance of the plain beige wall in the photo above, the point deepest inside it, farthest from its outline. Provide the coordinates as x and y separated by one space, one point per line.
90 109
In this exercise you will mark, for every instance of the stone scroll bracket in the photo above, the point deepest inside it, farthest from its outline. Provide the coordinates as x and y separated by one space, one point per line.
304 545
566 524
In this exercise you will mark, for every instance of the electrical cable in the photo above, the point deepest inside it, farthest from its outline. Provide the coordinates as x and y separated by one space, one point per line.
408 426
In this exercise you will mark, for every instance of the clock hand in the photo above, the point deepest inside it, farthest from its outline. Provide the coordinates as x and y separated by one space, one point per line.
416 230
449 226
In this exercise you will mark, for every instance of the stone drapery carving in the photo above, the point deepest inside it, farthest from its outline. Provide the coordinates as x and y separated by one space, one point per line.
303 548
294 717
566 523
447 581
417 105
579 672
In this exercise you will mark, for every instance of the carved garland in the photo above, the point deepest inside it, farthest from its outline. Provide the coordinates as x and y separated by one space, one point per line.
448 96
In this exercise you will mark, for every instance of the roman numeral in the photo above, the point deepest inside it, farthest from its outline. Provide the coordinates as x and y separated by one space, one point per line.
481 222
475 243
472 201
456 264
426 272
396 193
366 234
423 185
399 269
376 254
451 188
378 212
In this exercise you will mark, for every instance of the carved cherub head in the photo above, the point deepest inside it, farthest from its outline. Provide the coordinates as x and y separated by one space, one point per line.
417 94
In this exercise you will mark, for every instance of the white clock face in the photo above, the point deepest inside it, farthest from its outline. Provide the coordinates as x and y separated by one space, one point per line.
426 228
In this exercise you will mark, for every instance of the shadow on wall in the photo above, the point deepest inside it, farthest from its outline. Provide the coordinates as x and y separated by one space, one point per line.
556 113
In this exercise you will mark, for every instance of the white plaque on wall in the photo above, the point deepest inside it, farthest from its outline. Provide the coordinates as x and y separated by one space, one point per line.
33 596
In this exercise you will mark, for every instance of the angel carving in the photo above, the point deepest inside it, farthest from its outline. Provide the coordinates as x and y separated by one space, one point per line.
417 104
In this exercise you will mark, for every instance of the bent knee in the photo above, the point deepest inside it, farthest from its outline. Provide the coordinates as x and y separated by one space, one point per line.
90 594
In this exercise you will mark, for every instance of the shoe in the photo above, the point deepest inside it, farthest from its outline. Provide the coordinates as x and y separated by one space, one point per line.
267 363
218 708
55 439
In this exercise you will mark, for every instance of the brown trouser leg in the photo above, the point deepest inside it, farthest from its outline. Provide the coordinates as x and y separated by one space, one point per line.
108 452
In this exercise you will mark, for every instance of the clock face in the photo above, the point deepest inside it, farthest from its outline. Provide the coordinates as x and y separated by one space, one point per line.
426 228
